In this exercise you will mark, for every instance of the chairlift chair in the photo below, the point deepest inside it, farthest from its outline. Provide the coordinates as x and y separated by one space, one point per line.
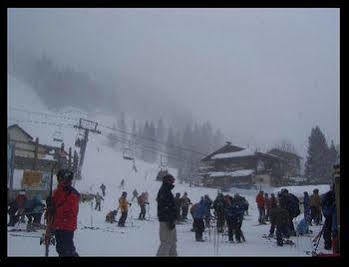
127 154
57 136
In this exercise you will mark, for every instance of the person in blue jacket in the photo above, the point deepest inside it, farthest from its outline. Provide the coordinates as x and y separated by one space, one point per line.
234 211
200 212
303 227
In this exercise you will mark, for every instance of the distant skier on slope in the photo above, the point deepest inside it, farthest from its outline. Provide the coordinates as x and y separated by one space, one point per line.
99 199
103 187
111 216
142 201
123 205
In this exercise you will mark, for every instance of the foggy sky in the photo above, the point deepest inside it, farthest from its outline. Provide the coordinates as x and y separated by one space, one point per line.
260 75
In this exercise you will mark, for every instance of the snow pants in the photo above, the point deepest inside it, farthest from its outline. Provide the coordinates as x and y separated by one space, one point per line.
143 211
220 221
199 228
185 212
122 218
281 231
168 240
65 244
261 215
315 214
307 215
328 232
98 206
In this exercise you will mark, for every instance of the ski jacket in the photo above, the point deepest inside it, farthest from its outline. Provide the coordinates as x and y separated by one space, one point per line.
65 202
291 203
185 202
235 210
279 216
167 210
306 202
260 201
123 204
315 201
273 202
267 203
328 203
201 210
99 198
302 227
218 204
142 200
21 199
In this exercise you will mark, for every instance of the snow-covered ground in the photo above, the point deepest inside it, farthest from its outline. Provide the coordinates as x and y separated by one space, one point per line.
139 238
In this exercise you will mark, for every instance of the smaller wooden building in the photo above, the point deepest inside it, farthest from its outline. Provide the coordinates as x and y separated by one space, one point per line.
235 166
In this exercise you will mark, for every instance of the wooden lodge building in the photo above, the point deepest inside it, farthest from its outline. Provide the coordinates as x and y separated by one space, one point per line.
234 166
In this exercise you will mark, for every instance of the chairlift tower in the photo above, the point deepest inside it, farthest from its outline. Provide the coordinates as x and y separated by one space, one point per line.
87 126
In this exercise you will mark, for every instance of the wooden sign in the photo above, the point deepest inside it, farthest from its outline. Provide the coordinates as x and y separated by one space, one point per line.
32 179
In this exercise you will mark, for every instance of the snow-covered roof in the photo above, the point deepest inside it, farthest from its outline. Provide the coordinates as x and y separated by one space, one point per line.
242 153
238 173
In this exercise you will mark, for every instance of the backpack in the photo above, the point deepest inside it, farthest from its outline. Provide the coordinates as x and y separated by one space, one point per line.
294 206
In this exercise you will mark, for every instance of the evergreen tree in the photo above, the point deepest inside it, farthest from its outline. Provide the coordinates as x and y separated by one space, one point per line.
153 144
333 154
317 166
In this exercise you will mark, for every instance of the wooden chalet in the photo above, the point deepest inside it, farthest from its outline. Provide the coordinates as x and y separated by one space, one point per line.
293 162
236 166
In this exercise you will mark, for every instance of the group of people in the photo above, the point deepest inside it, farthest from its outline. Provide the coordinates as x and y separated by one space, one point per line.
124 205
31 208
285 207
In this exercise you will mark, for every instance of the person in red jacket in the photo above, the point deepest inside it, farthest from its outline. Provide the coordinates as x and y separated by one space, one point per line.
260 205
267 206
65 207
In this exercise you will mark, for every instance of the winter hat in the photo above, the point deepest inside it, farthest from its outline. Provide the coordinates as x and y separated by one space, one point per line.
65 175
124 193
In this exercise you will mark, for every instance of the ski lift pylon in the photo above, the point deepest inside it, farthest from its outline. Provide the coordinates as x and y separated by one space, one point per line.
128 153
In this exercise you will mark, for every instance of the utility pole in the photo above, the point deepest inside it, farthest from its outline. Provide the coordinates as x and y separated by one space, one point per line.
88 126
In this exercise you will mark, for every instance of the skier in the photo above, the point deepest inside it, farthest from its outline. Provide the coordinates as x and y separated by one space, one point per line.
99 199
239 207
228 216
199 214
122 184
134 195
246 205
260 205
328 205
267 206
218 206
33 209
315 206
12 210
103 187
167 215
110 217
123 205
273 201
208 215
142 202
64 205
280 219
185 202
303 227
21 199
290 202
306 205
178 207
192 209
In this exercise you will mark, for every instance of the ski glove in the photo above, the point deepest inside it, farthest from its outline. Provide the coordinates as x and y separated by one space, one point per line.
171 225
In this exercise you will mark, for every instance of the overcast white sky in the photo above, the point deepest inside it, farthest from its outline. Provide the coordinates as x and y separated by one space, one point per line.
260 75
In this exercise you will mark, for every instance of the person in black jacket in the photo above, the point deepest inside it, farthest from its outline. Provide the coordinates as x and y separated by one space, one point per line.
279 217
218 206
290 203
167 214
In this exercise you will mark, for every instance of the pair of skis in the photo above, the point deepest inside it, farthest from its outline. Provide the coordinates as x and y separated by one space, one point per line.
48 238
